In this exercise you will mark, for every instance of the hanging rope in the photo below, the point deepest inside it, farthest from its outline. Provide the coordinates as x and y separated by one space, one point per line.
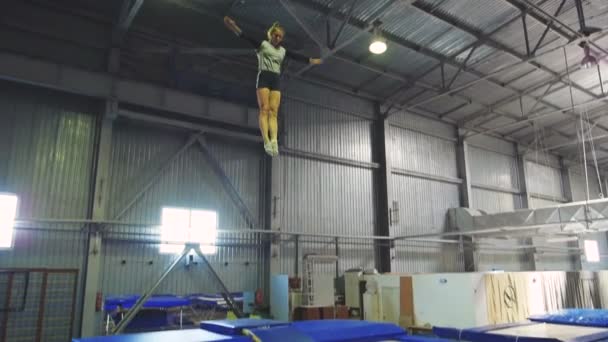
581 125
593 151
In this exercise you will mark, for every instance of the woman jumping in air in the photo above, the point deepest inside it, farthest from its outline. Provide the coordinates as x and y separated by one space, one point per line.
270 61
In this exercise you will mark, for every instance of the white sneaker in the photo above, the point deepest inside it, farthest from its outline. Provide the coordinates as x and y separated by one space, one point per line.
268 148
275 148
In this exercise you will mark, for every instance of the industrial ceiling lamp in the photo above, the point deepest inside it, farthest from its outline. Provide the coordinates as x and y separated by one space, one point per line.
378 44
589 61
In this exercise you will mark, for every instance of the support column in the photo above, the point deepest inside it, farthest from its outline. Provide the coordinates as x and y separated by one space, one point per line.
566 183
567 188
464 172
467 246
467 243
523 179
275 209
525 199
381 153
99 212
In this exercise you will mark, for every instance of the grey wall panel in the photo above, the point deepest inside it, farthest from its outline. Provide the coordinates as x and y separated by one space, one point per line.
340 101
423 205
543 158
326 198
542 203
579 184
423 257
494 169
505 261
493 144
555 262
414 151
545 180
330 132
48 145
139 152
423 124
495 202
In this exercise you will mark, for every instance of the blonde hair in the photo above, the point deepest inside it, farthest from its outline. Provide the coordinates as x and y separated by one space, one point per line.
275 26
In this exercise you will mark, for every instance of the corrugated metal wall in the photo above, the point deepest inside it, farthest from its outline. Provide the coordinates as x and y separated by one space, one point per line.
496 168
46 145
139 152
579 184
496 185
49 143
428 148
323 196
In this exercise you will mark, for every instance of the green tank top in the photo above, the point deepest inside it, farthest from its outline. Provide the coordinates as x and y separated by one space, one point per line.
270 58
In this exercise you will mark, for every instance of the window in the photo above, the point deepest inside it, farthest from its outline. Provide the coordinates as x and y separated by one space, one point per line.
592 252
8 212
181 225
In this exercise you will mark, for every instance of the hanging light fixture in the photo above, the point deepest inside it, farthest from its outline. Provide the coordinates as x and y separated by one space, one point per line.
589 61
378 43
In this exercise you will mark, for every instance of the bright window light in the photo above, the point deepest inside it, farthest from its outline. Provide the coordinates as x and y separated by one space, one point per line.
8 212
592 252
181 226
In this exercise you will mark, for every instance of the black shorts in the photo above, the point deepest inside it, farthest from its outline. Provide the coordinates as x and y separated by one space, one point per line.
270 80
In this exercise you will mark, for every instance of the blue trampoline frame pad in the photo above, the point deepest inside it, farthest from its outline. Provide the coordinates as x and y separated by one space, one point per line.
187 335
579 317
271 331
497 333
156 301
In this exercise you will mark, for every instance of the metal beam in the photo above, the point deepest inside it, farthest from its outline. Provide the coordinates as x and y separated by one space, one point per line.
128 11
226 183
329 159
530 89
222 287
416 174
523 178
274 209
141 300
539 116
101 194
574 142
549 23
566 180
365 27
309 31
154 177
351 10
464 172
480 36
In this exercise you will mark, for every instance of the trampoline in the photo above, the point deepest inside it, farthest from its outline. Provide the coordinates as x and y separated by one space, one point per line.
271 331
157 312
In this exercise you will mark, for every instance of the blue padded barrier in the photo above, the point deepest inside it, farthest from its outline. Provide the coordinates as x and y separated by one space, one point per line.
579 317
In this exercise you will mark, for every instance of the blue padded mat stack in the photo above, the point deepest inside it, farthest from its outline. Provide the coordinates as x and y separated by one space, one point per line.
580 317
